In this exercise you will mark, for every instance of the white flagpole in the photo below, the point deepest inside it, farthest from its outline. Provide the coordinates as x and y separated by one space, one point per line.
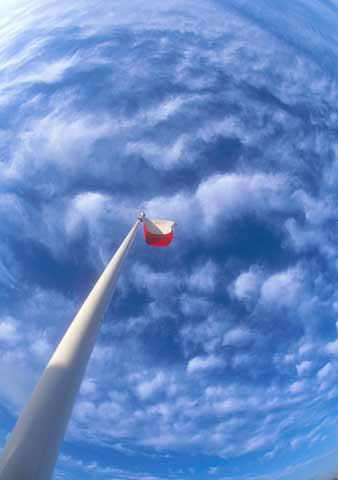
33 446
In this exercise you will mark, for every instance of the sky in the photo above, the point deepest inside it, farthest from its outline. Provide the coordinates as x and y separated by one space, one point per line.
218 356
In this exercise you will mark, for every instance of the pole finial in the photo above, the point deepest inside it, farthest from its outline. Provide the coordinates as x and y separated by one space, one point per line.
142 216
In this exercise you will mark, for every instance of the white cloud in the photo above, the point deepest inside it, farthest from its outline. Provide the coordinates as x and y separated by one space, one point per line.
232 194
228 196
316 210
88 386
63 137
178 207
85 208
305 349
332 347
304 237
41 347
93 468
31 50
289 358
198 364
14 213
239 336
157 283
9 330
227 406
297 387
311 232
148 388
323 372
247 284
282 288
242 360
258 442
83 410
203 278
295 442
160 156
91 213
303 367
47 72
194 305
165 109
208 334
25 345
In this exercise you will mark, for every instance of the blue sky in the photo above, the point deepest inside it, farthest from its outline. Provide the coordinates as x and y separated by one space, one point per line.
218 356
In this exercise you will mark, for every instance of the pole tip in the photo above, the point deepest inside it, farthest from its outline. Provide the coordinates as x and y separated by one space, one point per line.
142 216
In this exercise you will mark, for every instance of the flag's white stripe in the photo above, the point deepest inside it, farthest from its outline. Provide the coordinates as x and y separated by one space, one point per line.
159 227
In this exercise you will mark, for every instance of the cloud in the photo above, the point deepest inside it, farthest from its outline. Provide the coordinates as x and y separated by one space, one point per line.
8 331
27 340
96 468
228 196
147 388
178 206
207 334
230 405
289 358
297 387
194 305
42 348
86 207
305 349
198 364
166 109
48 73
303 367
156 283
32 49
88 387
332 347
324 371
238 336
203 278
61 137
247 284
231 195
305 238
242 360
316 211
160 156
258 442
282 288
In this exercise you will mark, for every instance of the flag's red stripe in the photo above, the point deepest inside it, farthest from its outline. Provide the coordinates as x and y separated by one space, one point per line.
157 240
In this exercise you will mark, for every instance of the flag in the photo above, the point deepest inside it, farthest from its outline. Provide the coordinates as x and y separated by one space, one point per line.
158 233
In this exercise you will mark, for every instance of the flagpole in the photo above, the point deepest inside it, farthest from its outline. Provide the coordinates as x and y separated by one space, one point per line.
33 446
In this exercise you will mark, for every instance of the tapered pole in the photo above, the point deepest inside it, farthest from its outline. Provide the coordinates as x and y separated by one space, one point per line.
33 446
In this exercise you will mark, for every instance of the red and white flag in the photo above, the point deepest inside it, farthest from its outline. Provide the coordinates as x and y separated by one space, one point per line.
158 233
